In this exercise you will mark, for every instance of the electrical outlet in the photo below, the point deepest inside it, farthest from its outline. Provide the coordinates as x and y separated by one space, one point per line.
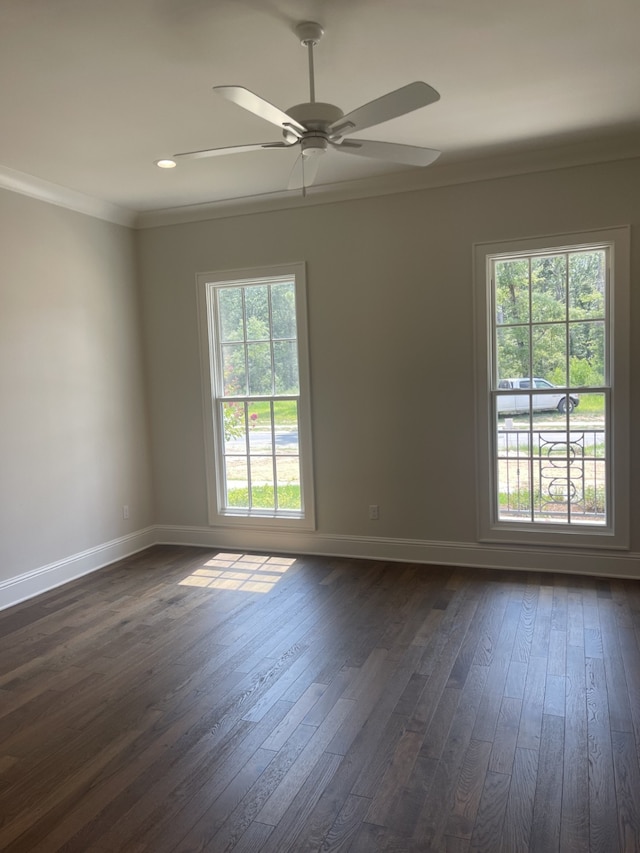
125 512
374 512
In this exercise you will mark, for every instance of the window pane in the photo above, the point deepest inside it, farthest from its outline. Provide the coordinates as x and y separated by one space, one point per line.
230 310
257 310
260 432
552 481
234 427
258 414
512 352
259 362
548 288
586 364
234 370
288 474
513 445
587 277
283 310
236 481
285 418
550 353
262 493
285 360
512 291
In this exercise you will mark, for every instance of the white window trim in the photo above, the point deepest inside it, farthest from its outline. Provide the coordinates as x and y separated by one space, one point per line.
213 441
490 529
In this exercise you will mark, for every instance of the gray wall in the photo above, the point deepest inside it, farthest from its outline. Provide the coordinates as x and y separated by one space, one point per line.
391 330
73 419
100 397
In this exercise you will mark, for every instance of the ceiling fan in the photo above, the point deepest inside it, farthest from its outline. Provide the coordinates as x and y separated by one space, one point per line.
316 127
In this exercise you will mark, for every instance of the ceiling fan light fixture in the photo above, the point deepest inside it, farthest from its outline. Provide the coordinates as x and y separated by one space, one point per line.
313 145
165 163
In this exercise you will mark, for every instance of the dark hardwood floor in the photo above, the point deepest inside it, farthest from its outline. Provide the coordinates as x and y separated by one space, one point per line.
186 700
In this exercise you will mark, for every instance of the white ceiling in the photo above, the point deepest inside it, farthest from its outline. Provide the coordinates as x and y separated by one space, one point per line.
92 92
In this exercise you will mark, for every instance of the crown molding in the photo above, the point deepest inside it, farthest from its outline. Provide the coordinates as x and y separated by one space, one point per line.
507 163
20 182
481 168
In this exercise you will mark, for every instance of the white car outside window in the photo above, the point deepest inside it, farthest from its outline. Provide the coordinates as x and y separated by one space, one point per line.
549 399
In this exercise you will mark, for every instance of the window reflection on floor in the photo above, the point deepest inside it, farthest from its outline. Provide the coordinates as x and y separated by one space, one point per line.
246 572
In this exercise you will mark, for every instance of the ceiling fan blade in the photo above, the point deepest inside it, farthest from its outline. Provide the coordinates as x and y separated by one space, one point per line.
304 172
411 155
234 149
392 105
259 107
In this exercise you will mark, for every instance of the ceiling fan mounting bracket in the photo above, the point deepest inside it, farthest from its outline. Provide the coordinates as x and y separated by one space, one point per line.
309 32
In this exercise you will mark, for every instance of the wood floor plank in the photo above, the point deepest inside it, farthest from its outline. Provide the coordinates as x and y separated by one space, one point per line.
251 841
506 737
630 651
532 704
345 826
627 789
620 716
518 819
574 827
524 634
603 825
469 789
547 806
575 619
487 828
358 705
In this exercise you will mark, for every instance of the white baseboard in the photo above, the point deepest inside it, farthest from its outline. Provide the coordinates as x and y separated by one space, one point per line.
44 578
617 564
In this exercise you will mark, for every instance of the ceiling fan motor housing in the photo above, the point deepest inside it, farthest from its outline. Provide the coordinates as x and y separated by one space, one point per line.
316 118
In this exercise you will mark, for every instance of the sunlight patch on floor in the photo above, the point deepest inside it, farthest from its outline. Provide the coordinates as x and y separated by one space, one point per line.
246 572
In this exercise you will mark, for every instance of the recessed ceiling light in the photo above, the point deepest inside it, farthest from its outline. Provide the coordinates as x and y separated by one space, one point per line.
166 164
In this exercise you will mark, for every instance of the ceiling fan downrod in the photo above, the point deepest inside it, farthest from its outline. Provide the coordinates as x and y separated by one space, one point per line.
310 33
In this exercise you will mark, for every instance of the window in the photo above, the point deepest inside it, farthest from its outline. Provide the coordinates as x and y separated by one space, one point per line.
552 333
255 369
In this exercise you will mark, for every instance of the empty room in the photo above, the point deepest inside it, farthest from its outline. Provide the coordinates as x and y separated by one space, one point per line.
319 477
